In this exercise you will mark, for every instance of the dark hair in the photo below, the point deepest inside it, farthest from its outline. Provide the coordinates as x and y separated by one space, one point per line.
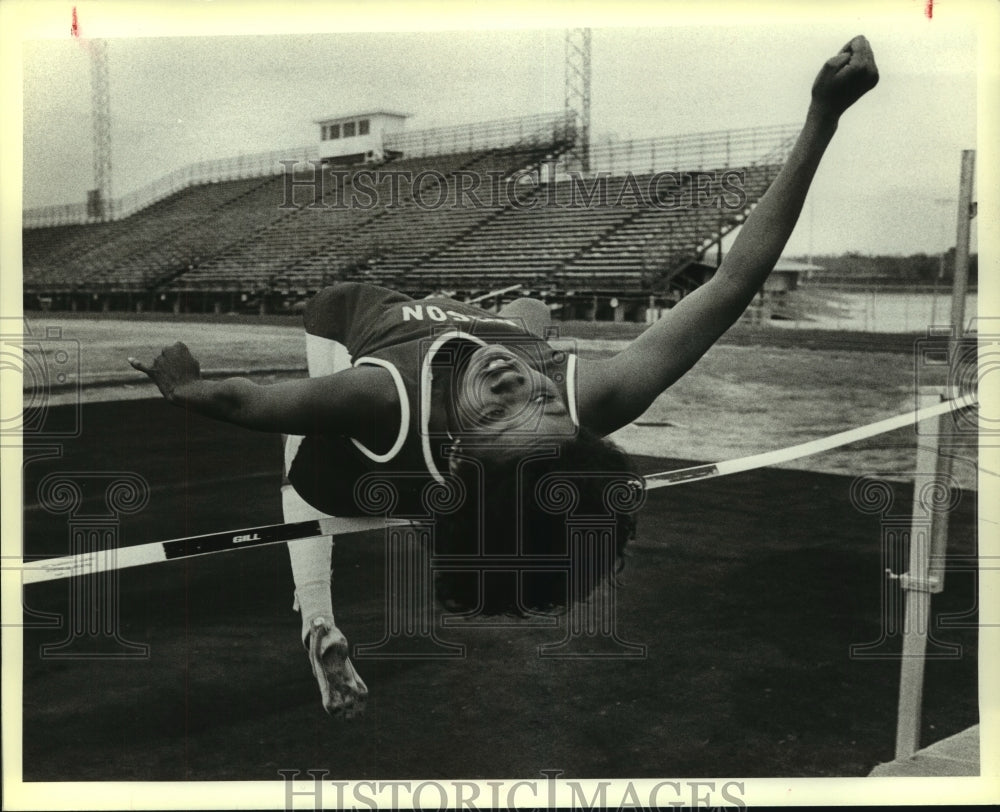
530 505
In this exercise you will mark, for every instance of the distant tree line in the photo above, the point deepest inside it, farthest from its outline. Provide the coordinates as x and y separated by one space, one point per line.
915 269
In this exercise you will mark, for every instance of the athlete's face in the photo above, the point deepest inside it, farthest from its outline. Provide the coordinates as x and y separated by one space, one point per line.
502 401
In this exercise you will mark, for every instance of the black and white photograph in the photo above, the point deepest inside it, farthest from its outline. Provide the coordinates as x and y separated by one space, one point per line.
509 406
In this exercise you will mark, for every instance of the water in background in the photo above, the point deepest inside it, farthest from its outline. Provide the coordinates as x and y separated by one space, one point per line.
876 311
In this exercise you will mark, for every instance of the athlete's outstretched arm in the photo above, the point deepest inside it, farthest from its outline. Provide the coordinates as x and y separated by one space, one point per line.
616 391
354 402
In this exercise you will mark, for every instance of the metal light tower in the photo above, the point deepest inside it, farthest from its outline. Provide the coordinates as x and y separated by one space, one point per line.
99 198
578 94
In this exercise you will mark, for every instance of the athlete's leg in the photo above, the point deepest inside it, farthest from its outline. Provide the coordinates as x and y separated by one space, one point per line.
533 312
311 560
341 688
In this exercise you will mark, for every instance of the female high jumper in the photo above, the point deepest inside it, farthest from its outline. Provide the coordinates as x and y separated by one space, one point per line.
436 391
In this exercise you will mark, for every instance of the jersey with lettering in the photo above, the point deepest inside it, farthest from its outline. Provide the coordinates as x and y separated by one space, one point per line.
415 340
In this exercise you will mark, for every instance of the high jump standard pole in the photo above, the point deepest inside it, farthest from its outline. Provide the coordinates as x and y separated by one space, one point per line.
933 472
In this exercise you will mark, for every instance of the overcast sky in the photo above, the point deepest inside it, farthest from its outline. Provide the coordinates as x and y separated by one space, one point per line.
887 185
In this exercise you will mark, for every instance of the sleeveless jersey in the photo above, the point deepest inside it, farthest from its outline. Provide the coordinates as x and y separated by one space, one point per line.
414 339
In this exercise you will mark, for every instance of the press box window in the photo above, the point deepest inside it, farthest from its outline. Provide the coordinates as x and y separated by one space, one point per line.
363 127
334 131
349 129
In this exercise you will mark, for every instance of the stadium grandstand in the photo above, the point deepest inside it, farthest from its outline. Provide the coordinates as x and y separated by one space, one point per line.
463 210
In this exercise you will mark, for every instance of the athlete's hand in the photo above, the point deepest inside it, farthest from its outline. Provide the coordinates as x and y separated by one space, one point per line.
172 368
845 78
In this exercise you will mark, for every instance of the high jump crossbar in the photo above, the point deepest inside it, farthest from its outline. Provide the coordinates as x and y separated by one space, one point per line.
794 452
52 569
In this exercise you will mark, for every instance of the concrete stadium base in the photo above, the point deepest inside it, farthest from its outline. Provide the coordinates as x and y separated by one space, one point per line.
956 755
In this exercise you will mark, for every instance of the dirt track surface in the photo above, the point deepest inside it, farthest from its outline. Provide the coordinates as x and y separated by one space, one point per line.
747 592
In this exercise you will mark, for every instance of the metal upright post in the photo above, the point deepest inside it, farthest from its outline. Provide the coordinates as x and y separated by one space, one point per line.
946 433
933 493
965 214
918 588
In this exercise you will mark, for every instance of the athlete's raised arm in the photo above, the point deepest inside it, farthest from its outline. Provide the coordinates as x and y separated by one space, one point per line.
616 391
357 402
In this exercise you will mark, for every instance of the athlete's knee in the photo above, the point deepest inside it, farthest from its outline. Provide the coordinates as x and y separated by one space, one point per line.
534 312
527 303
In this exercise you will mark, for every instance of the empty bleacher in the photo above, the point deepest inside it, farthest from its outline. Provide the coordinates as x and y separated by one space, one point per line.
525 243
645 250
108 256
619 240
464 222
357 225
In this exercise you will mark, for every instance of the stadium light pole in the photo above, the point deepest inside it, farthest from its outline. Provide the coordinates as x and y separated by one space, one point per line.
577 93
100 101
